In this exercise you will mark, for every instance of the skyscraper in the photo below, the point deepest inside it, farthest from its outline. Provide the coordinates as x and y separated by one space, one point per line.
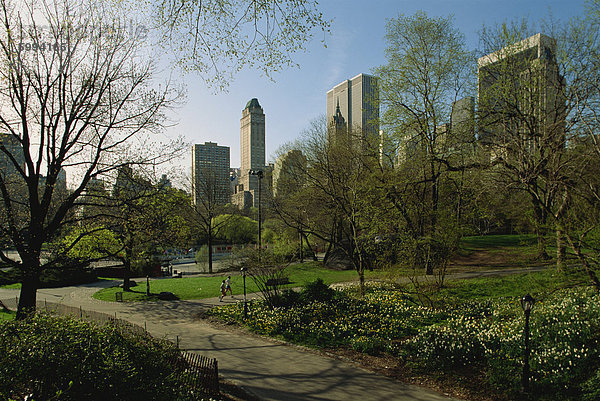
520 89
355 103
252 126
14 149
288 173
210 174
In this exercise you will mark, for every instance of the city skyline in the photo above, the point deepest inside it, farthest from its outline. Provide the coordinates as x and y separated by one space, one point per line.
295 96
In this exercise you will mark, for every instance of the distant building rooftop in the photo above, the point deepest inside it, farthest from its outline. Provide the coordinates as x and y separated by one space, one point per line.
252 103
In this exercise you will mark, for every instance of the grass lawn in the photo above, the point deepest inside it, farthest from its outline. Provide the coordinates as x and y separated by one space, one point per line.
4 315
208 287
514 285
496 241
498 252
11 286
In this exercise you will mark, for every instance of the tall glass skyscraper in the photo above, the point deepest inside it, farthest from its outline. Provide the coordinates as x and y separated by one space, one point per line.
357 101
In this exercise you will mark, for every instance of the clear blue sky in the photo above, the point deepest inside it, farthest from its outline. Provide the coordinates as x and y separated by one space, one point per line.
356 45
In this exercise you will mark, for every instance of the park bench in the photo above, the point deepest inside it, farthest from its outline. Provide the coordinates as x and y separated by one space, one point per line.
273 282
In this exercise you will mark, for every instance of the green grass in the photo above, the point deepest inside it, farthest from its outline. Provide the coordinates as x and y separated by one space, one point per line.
514 285
504 251
209 287
7 315
497 241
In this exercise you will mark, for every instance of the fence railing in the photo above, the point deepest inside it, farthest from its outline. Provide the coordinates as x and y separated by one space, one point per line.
202 373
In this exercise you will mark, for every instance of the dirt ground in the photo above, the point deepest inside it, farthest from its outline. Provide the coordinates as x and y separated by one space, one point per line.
492 259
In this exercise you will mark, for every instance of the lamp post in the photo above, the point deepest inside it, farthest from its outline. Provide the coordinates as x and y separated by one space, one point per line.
260 175
243 270
527 304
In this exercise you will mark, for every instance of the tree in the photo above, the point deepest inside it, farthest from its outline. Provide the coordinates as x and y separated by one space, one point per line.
336 181
210 191
76 95
426 73
267 270
576 218
219 38
149 218
236 229
291 201
523 109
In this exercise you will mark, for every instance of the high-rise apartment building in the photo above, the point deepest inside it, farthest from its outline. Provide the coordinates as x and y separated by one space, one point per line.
13 147
354 103
520 90
210 174
252 135
288 173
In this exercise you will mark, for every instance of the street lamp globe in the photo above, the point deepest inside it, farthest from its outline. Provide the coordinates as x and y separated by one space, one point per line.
527 303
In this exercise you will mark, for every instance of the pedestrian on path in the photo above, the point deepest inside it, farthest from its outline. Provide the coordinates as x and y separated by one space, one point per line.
223 291
228 286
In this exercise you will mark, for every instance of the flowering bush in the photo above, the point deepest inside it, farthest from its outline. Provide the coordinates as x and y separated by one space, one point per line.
564 341
486 335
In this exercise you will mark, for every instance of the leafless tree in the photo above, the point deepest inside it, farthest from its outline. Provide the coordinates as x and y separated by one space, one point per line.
210 199
77 95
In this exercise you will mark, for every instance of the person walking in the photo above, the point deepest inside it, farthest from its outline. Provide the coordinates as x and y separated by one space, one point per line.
223 291
228 286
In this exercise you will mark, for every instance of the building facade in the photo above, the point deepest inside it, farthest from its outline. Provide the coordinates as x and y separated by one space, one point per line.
13 147
353 107
210 174
252 140
520 90
288 172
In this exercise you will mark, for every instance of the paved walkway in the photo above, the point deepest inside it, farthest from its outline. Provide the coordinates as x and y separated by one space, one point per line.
267 369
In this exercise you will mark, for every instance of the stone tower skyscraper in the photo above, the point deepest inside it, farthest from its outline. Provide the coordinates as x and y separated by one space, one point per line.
252 143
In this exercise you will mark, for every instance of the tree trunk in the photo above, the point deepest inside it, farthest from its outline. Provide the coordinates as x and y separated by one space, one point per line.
309 246
127 271
28 297
540 231
428 264
583 259
327 253
541 245
361 279
301 248
561 250
210 251
127 279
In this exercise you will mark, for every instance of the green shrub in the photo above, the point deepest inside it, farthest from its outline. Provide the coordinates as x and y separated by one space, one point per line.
8 277
317 291
591 388
61 276
287 298
46 355
564 345
368 345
